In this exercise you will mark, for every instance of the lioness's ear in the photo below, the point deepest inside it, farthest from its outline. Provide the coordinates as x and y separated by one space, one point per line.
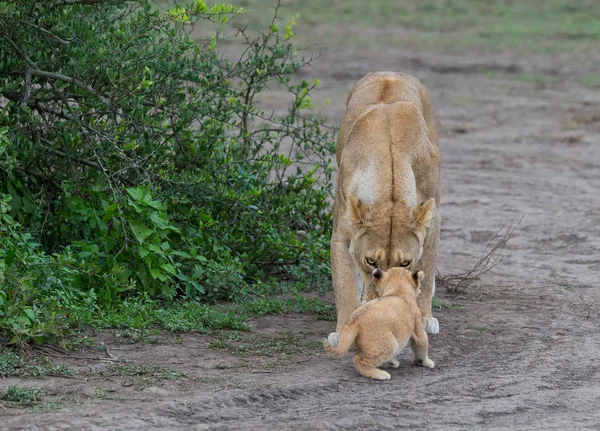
424 213
357 210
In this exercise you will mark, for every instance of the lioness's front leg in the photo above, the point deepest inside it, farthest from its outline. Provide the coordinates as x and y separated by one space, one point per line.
427 265
344 282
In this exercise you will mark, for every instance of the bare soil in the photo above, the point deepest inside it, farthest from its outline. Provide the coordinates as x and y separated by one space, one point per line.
517 350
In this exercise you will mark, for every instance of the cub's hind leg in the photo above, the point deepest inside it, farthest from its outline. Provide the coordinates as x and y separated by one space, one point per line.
392 362
419 345
367 368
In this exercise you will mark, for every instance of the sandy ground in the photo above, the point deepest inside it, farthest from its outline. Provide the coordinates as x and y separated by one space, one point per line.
518 350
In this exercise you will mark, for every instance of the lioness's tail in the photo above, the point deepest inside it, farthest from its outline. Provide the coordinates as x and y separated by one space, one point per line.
346 340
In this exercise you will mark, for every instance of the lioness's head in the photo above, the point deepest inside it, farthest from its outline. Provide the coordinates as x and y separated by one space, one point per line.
387 235
398 281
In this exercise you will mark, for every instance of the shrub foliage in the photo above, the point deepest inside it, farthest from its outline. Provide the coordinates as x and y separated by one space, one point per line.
135 160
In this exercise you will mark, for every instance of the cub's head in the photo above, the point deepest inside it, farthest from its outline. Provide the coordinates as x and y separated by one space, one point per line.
387 235
398 281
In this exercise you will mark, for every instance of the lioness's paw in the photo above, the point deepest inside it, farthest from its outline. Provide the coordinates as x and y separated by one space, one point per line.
334 339
431 325
427 363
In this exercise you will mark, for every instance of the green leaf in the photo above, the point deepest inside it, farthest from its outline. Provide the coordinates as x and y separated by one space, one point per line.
140 231
30 314
169 268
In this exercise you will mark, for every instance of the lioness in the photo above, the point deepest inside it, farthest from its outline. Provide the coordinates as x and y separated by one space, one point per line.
387 203
380 328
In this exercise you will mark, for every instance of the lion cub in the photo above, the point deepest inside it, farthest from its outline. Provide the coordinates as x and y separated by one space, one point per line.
382 327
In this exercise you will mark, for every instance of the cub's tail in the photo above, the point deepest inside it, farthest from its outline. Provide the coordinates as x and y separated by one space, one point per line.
340 344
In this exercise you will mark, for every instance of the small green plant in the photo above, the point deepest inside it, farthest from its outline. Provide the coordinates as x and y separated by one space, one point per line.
297 304
285 344
147 336
13 364
19 396
477 331
103 393
591 80
142 376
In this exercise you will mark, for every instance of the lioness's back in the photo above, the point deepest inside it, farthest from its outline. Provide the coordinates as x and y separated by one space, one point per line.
383 88
386 87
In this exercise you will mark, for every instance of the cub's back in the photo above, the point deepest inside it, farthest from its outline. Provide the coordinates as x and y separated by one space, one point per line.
387 312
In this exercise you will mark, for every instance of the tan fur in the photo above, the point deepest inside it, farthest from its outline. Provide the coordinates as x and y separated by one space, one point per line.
387 202
381 327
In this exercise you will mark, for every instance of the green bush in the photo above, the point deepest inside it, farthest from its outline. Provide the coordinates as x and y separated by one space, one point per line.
134 160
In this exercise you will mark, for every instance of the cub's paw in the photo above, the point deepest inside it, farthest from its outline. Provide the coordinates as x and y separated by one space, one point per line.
333 339
394 363
431 325
380 375
427 363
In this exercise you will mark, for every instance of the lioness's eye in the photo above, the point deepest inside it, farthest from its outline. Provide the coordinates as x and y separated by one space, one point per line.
370 261
405 263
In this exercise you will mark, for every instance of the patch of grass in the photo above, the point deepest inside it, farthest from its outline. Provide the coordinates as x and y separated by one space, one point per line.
58 403
142 376
477 331
222 339
528 26
140 320
539 79
156 372
131 336
213 380
142 314
591 80
223 366
437 304
297 304
80 342
285 344
103 393
13 364
60 370
18 396
202 318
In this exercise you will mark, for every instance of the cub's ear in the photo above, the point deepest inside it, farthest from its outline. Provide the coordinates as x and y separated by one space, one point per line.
378 274
424 213
418 276
357 210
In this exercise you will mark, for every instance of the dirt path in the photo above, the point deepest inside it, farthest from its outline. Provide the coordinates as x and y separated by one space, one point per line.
519 351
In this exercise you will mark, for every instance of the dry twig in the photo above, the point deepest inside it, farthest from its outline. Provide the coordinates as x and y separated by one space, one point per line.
491 256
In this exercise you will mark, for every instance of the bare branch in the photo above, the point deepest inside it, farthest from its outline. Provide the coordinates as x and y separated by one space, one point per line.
26 85
76 82
60 153
46 31
34 70
490 257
